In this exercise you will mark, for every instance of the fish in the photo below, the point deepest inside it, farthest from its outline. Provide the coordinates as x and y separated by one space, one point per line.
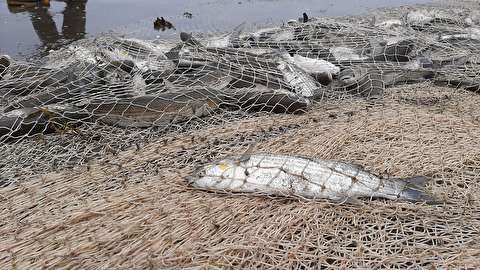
346 54
246 69
300 81
161 110
50 96
305 177
468 33
266 100
366 82
428 17
22 123
24 79
323 71
393 50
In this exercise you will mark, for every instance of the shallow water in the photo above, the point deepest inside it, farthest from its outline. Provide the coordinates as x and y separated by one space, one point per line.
30 31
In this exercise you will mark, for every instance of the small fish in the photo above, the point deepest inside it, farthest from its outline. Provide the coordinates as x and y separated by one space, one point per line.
271 34
305 177
428 17
393 50
468 33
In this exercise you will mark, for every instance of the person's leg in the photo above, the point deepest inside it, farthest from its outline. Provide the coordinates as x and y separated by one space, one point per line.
74 19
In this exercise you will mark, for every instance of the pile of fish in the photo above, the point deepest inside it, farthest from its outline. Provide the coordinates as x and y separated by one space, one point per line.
132 83
135 83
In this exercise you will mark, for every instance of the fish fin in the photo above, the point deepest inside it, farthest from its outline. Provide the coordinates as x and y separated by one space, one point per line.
358 166
414 190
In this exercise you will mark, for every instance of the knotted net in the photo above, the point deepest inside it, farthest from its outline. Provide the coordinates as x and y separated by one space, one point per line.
97 138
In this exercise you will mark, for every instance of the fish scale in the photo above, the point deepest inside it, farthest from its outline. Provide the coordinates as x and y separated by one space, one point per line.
304 177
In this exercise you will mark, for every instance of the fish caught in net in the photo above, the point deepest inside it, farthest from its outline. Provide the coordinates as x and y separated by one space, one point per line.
101 144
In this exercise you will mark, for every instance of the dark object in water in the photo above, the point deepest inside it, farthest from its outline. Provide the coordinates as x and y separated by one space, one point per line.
162 24
187 15
305 17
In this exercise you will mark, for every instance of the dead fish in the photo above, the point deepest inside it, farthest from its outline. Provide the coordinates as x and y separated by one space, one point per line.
270 34
50 96
472 33
302 83
22 123
392 49
323 71
305 177
24 79
389 23
254 100
161 110
366 82
427 17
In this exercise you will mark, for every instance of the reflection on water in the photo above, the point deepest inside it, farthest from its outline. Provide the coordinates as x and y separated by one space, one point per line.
27 31
74 19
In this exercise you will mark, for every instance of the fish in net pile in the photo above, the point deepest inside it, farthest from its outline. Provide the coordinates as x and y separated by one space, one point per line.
98 138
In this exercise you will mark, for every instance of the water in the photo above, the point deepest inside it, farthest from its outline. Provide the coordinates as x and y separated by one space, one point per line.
31 31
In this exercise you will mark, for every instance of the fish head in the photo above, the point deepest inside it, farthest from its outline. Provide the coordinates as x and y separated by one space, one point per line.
210 175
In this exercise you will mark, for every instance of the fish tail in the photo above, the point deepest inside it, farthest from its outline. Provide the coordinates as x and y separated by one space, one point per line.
414 190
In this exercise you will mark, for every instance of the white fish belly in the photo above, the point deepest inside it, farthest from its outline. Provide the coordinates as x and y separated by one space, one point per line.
293 176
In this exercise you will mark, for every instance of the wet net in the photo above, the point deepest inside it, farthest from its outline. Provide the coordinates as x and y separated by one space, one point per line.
97 139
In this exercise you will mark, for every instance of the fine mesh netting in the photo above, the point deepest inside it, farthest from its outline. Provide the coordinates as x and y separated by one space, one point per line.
97 139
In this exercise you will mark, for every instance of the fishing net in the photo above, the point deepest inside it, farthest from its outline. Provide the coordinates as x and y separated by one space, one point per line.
98 137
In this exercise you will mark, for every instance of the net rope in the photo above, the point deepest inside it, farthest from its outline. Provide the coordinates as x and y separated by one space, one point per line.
97 138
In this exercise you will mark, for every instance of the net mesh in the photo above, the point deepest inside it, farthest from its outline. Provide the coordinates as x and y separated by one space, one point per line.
97 138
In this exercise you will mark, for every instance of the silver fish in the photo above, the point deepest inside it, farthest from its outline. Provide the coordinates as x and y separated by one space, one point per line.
300 81
305 177
162 110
